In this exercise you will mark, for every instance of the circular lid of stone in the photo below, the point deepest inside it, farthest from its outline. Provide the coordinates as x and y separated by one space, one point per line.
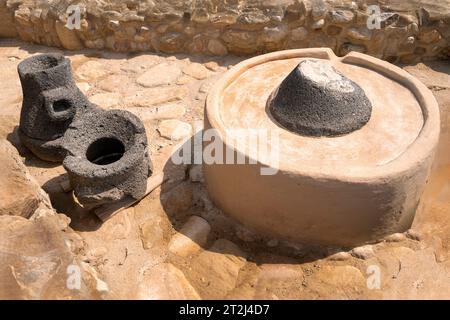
386 118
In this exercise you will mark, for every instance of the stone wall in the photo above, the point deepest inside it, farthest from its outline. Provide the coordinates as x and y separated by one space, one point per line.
409 30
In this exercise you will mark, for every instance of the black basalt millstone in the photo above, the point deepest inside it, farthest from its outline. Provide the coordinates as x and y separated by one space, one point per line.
51 101
317 100
107 157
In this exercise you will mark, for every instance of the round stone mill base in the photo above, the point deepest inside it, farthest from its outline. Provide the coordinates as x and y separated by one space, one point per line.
107 157
346 156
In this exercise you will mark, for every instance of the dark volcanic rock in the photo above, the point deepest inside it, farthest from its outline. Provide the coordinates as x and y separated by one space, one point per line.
51 101
317 100
107 157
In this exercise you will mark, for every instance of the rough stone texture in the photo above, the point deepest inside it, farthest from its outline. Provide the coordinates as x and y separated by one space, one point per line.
165 282
317 100
51 101
245 27
107 157
35 256
20 194
221 276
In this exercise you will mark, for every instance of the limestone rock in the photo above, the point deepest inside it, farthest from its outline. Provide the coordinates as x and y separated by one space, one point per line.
91 70
191 237
335 281
341 16
165 282
274 34
115 83
38 260
220 277
159 75
299 34
179 199
363 252
172 42
155 96
170 111
166 111
396 237
175 129
359 34
278 280
151 233
106 100
340 256
83 86
196 70
20 194
217 48
212 65
140 63
431 36
68 38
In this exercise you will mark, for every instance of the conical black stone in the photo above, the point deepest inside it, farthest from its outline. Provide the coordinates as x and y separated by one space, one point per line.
317 100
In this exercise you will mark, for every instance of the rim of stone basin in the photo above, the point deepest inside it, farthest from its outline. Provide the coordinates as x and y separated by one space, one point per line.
414 153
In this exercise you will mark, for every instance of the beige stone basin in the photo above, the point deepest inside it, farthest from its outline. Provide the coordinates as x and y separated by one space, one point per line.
343 190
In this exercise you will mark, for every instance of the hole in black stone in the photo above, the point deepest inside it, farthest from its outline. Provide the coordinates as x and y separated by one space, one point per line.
61 105
105 151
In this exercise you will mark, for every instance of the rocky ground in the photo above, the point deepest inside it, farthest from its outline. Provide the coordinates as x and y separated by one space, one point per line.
175 243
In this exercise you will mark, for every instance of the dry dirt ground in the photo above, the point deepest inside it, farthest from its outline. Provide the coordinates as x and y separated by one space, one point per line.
142 252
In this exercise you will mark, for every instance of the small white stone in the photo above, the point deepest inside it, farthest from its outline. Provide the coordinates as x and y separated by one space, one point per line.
175 129
272 243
